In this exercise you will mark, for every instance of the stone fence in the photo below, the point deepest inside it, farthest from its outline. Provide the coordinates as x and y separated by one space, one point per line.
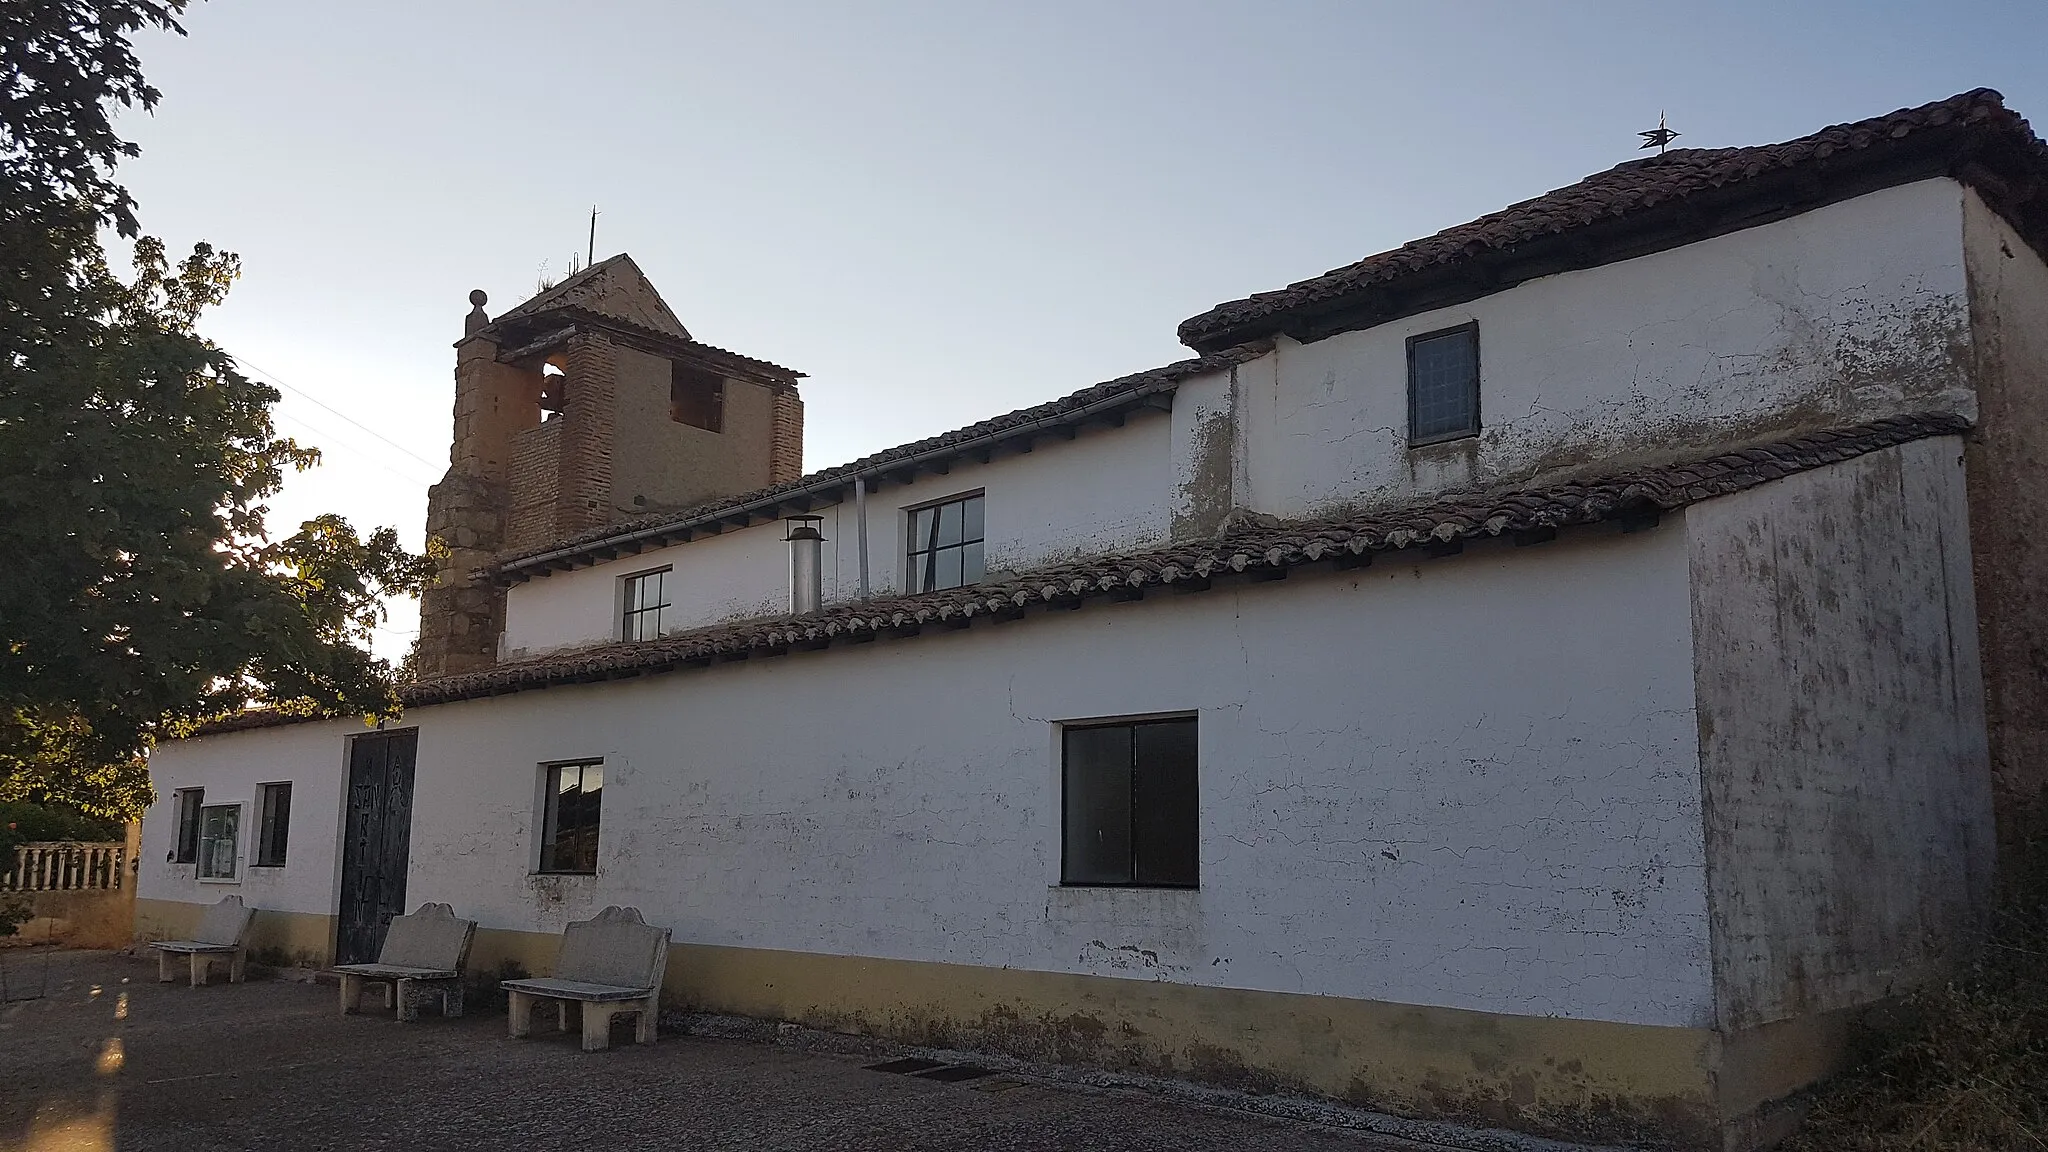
75 894
66 866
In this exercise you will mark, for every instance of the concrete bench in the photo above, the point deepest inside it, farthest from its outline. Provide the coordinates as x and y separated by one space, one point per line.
422 956
612 965
220 933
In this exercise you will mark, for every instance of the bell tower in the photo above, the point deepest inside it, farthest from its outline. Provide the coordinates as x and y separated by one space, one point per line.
587 405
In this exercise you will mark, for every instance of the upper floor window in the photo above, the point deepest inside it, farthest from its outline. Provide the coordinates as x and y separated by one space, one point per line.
646 611
945 545
696 397
1443 385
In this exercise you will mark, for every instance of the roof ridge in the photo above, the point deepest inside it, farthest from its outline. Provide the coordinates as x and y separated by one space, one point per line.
1627 190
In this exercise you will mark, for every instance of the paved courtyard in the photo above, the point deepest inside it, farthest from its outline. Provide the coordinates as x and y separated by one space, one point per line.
110 1059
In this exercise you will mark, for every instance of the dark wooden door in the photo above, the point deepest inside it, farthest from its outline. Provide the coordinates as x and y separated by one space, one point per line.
376 841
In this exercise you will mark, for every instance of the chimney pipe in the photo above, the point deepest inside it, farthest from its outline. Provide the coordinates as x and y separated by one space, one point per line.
806 565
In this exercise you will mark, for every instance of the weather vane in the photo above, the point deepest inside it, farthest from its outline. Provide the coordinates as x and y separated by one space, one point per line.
1658 137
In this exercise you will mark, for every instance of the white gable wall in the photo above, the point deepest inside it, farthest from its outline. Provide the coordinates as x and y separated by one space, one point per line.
1845 313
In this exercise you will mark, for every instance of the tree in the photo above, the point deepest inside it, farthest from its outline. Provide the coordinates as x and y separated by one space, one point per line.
141 594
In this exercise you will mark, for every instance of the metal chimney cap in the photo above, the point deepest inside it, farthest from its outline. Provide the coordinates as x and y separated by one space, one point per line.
804 528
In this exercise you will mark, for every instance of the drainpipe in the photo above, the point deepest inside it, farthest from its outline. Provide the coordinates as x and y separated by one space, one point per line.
806 565
860 516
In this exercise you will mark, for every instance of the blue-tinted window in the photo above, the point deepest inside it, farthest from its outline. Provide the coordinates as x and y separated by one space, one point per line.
1443 385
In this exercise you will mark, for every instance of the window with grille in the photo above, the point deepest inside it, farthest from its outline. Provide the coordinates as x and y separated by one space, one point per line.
696 397
1130 804
946 544
188 801
220 840
568 839
1443 385
646 611
273 823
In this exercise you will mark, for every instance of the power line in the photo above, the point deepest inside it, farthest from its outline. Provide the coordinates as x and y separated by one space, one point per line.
279 381
347 447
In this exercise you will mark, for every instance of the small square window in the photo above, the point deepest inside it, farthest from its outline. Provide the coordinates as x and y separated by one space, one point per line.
696 397
273 823
646 612
568 839
220 841
945 545
188 801
1130 804
1443 385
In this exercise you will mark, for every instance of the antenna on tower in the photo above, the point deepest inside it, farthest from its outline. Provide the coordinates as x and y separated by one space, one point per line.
590 255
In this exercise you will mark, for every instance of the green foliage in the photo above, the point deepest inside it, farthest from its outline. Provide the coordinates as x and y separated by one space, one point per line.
22 822
142 594
1970 1072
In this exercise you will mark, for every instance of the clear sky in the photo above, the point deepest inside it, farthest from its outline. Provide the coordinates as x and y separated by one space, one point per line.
940 211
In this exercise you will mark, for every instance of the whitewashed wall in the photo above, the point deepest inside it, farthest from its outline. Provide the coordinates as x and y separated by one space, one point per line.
1467 783
1847 783
314 757
1107 490
1842 313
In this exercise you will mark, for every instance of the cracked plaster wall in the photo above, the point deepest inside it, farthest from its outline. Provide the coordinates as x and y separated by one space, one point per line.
1104 491
1468 783
1841 724
1844 313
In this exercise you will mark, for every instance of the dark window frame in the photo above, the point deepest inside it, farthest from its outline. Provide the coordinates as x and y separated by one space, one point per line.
588 818
917 546
1470 430
631 618
696 396
1136 873
186 803
273 824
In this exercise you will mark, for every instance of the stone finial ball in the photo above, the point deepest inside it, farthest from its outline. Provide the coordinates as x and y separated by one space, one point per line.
477 297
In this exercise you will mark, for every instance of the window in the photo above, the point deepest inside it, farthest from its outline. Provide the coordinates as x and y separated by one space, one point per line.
1130 804
273 823
188 801
696 397
1443 385
568 837
646 605
945 545
220 836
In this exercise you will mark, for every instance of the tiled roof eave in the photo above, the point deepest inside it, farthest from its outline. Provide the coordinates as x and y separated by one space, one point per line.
1654 204
1632 497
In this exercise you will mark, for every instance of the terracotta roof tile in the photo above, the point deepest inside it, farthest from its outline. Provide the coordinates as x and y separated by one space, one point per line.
1972 120
1442 521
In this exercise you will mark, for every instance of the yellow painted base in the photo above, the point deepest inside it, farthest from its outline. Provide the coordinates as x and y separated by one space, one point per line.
1578 1079
284 939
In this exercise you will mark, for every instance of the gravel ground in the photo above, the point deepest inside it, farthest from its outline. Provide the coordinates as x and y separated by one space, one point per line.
110 1059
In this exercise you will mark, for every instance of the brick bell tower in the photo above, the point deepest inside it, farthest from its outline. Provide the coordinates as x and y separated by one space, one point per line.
587 405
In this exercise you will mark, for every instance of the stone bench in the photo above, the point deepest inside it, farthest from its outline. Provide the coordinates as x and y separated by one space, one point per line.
422 956
221 932
612 965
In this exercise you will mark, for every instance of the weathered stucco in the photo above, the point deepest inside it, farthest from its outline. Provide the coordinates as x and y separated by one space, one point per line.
1848 826
2008 458
1845 313
1104 491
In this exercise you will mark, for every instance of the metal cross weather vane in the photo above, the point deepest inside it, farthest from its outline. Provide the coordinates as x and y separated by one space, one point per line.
1659 137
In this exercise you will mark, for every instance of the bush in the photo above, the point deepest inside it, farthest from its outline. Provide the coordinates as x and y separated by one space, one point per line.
24 822
1969 1072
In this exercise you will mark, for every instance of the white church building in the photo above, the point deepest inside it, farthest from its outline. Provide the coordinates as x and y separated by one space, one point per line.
1558 674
